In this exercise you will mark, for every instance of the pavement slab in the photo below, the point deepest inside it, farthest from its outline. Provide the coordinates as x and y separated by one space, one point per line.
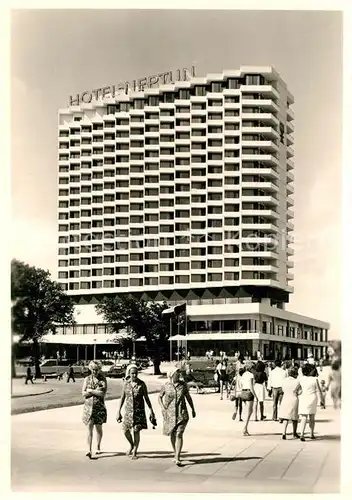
48 454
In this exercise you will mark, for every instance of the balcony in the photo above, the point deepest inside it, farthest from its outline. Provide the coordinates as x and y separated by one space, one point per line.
290 176
267 158
260 240
267 118
265 171
267 186
266 104
267 131
289 152
260 226
290 165
258 267
290 189
289 128
267 90
260 254
290 114
267 145
269 214
270 200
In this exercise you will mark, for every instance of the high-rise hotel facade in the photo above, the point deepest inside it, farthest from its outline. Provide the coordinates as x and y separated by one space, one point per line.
184 193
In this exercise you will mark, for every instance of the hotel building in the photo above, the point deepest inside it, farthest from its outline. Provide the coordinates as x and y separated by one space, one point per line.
184 193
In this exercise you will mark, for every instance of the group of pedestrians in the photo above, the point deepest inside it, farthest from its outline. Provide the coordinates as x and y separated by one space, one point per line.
172 399
295 391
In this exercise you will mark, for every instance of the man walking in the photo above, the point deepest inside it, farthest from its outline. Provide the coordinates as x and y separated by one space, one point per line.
70 374
276 378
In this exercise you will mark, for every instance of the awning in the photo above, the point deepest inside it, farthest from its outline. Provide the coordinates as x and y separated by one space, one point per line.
177 310
178 337
87 339
84 339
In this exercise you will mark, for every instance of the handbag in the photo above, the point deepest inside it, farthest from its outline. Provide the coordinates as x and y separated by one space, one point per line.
153 421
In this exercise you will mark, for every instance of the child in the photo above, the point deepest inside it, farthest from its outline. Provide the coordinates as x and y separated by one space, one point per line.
237 383
323 394
29 376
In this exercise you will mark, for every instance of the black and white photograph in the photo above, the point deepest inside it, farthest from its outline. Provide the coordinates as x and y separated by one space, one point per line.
176 241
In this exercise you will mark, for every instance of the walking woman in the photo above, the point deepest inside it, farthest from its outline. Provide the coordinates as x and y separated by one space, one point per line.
334 383
94 409
248 394
223 377
237 384
260 381
134 393
308 399
172 399
288 410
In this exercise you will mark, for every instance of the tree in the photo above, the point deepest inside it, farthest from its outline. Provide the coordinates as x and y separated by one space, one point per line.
140 319
38 305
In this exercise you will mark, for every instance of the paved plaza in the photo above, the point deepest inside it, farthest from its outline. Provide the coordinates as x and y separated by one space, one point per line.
48 454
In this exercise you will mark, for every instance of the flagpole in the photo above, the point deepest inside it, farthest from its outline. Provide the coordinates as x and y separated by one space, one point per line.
170 339
186 336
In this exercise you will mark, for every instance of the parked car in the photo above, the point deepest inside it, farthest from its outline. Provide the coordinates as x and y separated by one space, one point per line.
54 367
116 371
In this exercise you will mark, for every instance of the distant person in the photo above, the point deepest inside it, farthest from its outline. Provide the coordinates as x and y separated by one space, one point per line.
223 377
334 382
237 384
190 379
323 394
276 378
94 409
134 394
29 376
172 399
248 394
260 382
70 374
308 399
288 410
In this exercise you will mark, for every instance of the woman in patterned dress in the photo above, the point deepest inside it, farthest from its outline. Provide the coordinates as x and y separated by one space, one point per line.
94 409
134 393
172 399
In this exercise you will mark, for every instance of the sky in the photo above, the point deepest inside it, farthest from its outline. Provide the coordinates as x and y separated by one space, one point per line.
58 53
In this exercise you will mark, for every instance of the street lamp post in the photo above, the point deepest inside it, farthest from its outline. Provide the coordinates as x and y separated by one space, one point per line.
95 349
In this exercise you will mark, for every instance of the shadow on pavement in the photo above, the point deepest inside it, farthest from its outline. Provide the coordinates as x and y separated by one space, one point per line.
109 454
218 460
328 437
323 420
267 434
165 454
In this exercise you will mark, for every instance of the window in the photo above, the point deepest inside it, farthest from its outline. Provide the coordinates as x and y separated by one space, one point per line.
166 280
198 278
181 279
151 281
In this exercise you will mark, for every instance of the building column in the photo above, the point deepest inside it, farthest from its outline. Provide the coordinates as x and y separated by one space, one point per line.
255 347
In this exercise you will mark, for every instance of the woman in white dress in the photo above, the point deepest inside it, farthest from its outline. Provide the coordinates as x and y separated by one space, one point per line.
260 382
288 410
308 398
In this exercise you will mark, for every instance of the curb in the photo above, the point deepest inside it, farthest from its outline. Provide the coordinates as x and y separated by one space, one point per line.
14 396
53 406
